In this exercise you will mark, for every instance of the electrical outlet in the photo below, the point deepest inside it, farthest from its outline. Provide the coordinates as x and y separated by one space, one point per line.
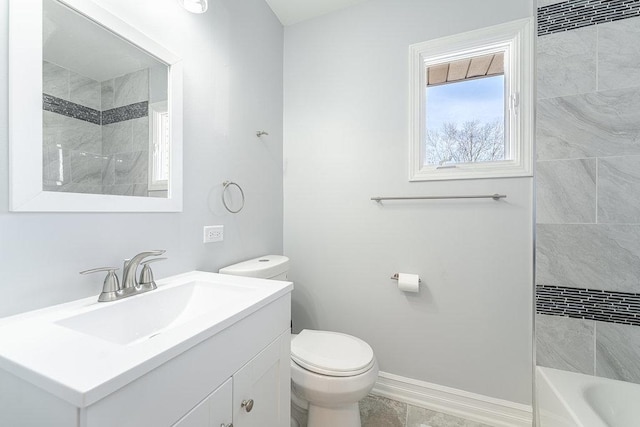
213 233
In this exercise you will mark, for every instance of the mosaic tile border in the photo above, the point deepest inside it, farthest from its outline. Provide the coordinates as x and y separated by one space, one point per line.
80 112
590 304
572 14
128 112
70 109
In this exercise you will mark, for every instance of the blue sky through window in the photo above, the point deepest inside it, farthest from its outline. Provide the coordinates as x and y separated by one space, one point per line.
465 121
478 99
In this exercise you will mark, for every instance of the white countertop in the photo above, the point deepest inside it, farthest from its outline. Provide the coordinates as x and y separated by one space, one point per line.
82 369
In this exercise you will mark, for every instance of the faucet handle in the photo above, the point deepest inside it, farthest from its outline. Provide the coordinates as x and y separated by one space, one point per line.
111 285
146 276
99 269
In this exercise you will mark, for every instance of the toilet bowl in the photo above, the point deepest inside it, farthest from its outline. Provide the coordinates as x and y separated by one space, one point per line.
330 371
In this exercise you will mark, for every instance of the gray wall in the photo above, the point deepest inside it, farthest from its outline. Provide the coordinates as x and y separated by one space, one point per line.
225 102
346 140
588 197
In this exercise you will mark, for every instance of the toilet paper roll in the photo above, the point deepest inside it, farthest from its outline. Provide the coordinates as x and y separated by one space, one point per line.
408 282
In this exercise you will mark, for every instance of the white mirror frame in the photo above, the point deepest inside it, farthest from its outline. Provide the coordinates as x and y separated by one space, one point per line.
516 40
25 116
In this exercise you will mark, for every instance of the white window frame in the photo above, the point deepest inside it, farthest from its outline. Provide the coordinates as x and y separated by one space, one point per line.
158 140
515 40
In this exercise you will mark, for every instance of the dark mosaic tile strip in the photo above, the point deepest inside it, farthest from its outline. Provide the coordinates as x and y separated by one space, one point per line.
80 112
590 304
573 14
70 109
128 112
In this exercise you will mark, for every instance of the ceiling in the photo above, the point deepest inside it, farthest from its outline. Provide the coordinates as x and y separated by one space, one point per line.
290 12
76 43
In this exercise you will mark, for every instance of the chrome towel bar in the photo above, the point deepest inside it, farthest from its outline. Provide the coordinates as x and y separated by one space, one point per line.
480 196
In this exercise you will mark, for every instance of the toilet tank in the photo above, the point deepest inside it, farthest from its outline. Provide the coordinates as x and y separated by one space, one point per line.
273 267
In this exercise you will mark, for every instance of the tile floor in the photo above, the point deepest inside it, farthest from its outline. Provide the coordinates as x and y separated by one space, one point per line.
376 411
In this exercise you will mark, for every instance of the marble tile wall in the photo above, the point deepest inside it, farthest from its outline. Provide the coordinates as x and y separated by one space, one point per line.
588 187
72 154
125 90
65 84
125 134
565 343
96 135
72 147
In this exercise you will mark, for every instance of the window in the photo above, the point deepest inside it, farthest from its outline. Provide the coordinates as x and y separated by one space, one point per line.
471 114
160 149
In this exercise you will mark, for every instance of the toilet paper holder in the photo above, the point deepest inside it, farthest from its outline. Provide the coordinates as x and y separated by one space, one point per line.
395 277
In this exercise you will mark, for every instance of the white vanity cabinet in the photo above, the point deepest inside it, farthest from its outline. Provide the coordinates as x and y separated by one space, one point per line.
261 395
213 411
256 396
236 371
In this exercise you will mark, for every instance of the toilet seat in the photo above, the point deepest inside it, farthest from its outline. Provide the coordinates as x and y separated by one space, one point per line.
331 353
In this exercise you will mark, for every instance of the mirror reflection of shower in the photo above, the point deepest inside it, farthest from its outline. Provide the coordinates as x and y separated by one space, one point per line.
105 117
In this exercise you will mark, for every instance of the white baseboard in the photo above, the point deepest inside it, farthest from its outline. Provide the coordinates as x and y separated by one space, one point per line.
459 403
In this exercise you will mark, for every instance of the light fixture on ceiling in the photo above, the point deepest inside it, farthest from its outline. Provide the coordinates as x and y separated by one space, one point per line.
195 6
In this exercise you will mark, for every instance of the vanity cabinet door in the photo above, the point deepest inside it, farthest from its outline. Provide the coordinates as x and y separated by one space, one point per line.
213 411
261 387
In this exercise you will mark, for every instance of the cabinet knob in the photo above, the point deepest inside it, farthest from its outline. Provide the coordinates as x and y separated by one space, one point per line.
247 405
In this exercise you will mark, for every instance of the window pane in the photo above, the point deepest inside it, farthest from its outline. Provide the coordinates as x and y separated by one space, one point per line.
465 120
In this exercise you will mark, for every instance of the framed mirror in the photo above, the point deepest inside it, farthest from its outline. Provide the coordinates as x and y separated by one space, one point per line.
95 112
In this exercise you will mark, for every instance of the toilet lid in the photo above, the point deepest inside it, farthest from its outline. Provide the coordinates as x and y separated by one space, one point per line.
331 353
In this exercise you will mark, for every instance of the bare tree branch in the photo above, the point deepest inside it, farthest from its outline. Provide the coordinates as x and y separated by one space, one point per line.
471 141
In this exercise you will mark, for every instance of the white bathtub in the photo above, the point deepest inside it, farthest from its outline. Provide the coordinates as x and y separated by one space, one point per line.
567 399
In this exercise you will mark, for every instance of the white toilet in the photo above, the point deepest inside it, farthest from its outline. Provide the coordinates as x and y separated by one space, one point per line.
330 371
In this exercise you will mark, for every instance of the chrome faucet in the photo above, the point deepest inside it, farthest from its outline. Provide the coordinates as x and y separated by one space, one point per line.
130 269
112 290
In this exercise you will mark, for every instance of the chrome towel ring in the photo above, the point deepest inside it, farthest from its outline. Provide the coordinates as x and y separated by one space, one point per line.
226 185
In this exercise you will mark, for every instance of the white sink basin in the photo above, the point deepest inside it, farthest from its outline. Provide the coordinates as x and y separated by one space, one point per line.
146 316
84 350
